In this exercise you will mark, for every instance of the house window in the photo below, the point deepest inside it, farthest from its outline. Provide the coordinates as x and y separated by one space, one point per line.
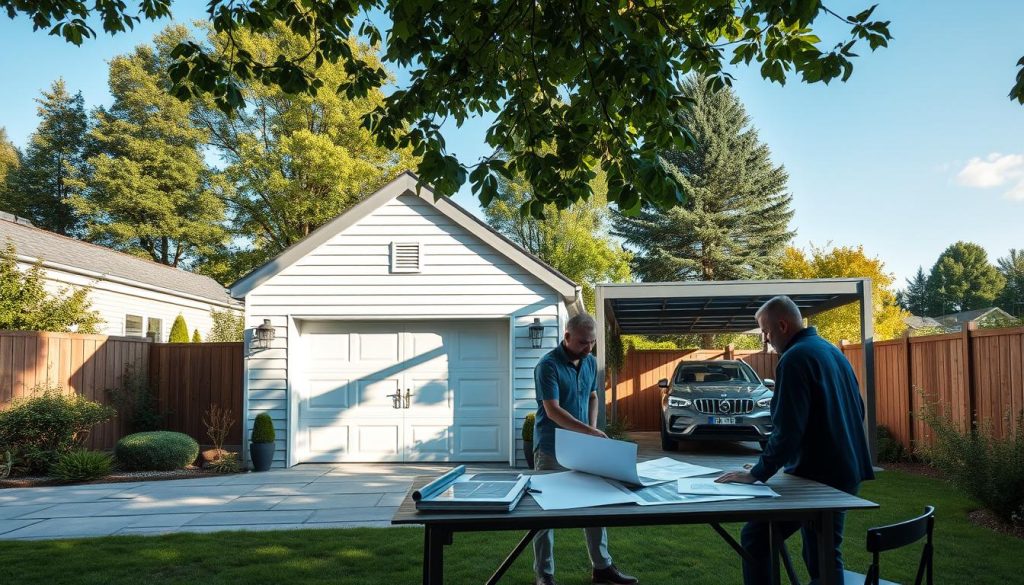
133 325
154 329
406 257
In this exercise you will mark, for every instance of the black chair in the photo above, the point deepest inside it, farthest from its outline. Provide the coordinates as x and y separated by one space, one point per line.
884 538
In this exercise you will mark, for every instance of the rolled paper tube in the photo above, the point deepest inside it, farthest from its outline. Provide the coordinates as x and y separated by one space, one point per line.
438 485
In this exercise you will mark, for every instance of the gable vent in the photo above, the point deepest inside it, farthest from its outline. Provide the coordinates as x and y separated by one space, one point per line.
406 256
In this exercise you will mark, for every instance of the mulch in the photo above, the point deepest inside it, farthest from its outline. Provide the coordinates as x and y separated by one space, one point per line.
115 477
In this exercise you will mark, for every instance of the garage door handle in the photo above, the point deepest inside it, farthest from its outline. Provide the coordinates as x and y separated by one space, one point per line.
396 399
407 396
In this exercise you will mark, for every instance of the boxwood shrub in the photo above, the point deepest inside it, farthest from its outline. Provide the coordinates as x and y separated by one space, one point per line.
156 451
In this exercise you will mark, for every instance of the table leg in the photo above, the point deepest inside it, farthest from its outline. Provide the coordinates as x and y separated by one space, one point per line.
434 540
826 547
513 556
774 544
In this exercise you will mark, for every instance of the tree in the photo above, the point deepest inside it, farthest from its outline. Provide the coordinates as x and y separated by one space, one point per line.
149 191
295 161
179 330
10 160
914 298
848 262
615 65
963 280
196 338
25 305
227 326
41 188
1011 299
734 224
574 240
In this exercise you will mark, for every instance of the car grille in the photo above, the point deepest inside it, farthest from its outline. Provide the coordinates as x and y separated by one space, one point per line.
724 405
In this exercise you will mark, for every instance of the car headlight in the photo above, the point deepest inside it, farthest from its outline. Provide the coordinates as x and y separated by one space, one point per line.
676 402
764 402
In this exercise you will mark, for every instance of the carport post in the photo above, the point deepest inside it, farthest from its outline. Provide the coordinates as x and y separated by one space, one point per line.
867 334
602 348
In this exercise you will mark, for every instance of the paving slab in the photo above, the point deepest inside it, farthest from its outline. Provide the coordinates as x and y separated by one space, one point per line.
251 518
320 501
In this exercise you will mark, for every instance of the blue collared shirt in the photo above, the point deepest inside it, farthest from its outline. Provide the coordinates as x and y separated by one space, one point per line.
556 378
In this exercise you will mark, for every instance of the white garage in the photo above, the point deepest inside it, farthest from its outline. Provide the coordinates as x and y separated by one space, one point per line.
401 335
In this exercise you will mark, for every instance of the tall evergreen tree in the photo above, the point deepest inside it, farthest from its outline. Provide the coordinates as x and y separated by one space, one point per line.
1011 267
734 224
963 280
575 240
914 298
10 160
149 191
41 188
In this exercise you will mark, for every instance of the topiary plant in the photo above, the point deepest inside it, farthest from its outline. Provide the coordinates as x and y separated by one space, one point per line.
179 330
196 338
156 451
263 429
528 427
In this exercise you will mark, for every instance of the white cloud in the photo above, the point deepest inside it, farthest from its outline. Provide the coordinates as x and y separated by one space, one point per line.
995 170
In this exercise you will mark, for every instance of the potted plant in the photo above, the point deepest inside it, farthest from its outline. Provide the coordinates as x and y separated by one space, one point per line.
528 439
261 448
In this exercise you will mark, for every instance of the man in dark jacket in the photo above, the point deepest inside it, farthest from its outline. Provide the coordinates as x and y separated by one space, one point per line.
818 432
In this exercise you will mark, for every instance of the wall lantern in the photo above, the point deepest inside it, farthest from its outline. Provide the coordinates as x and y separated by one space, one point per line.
262 336
536 333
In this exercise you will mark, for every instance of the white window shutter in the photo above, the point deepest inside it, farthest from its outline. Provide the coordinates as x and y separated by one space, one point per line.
406 257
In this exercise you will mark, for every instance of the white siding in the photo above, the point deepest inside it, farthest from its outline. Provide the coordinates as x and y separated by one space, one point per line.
114 300
349 277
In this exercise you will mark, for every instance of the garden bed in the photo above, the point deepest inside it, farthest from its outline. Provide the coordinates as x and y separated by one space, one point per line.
115 477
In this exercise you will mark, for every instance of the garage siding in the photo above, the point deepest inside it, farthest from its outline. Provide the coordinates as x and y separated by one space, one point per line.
350 277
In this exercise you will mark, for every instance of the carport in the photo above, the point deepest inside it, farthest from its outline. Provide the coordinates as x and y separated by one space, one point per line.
679 308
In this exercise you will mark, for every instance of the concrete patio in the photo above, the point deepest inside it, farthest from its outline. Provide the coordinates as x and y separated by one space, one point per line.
303 497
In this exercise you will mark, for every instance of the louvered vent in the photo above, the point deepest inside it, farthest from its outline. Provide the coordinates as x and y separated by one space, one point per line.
406 257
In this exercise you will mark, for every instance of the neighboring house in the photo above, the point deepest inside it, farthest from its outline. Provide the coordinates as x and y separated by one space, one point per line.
401 334
134 296
988 317
918 323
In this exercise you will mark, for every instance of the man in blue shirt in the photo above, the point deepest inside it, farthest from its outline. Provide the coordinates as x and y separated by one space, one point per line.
818 432
566 386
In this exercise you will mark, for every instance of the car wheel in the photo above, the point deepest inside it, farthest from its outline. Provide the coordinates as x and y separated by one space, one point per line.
667 442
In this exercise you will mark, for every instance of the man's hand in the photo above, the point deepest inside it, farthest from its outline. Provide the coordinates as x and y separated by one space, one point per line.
597 432
736 477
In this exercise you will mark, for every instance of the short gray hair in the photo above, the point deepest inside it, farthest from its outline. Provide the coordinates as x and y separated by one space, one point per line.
781 307
581 322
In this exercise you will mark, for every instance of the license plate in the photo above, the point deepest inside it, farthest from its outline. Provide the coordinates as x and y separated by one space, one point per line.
722 420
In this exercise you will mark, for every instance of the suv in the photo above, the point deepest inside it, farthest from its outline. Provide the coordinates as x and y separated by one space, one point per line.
719 400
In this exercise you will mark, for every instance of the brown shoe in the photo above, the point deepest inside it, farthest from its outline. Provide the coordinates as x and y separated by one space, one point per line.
613 576
545 580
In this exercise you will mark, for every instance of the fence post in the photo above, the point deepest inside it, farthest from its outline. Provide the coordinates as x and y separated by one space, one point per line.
729 351
911 422
972 405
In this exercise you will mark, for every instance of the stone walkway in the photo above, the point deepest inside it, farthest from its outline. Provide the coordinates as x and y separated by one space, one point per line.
305 496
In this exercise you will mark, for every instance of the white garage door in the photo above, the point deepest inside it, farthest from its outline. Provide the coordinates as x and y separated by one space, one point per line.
427 391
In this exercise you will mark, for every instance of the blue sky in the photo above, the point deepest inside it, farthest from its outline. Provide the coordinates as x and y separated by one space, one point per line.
921 147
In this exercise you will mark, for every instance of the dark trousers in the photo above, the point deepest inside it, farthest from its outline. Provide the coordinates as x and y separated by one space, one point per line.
754 539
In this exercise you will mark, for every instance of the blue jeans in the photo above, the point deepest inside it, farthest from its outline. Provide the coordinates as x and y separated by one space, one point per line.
754 539
544 541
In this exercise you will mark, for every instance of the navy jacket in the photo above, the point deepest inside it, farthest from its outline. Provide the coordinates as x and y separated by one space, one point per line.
817 417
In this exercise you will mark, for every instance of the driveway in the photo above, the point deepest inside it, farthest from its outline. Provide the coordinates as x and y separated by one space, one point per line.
305 496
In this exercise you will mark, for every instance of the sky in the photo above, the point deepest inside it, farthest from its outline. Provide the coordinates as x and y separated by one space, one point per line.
919 149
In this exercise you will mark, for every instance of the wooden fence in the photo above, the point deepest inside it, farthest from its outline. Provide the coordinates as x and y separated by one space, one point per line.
187 378
638 398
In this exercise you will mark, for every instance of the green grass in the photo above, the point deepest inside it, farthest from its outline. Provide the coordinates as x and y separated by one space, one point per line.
690 554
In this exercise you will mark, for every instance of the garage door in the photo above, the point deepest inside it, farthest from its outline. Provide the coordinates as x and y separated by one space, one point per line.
428 391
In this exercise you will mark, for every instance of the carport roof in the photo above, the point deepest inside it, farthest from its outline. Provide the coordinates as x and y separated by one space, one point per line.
673 308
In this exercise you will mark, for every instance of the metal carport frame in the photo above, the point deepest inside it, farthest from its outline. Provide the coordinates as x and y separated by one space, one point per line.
673 308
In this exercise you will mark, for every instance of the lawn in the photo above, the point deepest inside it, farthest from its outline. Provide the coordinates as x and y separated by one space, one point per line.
693 555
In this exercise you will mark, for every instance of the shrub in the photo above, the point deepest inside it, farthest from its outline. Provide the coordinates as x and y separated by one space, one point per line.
226 463
82 465
617 429
528 423
989 468
136 402
196 338
263 429
47 424
218 423
890 450
156 451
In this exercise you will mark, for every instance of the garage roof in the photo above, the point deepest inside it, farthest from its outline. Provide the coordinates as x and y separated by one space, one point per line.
673 308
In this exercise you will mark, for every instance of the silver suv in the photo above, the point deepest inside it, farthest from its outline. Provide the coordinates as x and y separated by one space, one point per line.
718 400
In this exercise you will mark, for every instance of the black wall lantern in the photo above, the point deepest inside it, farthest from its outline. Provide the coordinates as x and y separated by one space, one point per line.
536 333
261 337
